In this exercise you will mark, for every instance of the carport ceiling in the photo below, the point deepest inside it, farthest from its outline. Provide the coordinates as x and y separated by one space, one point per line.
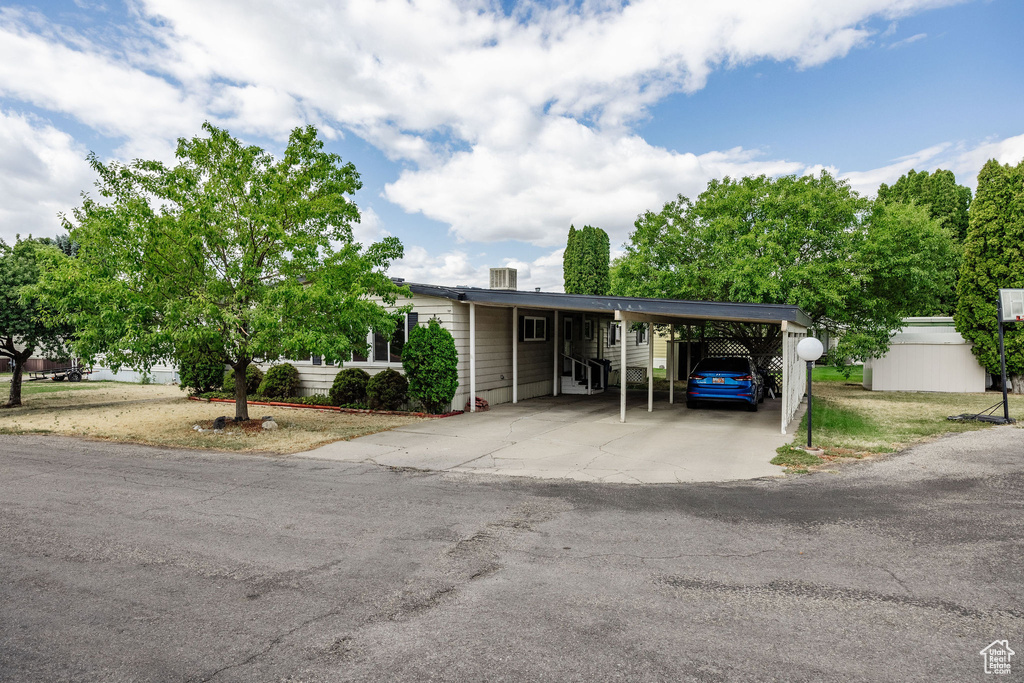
666 311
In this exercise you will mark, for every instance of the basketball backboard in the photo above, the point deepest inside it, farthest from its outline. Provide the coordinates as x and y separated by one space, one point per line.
1013 305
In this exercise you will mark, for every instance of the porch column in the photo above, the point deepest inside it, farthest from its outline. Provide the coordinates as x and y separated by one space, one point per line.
650 367
554 343
622 371
689 366
515 354
670 364
472 357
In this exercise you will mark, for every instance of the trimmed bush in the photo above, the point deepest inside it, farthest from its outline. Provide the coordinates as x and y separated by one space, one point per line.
280 381
431 365
199 370
253 379
349 387
387 390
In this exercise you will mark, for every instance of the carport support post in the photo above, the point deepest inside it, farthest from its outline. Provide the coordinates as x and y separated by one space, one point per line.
554 343
671 369
472 357
689 336
515 354
650 367
622 372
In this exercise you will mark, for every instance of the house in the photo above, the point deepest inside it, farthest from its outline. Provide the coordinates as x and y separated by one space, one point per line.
514 345
926 354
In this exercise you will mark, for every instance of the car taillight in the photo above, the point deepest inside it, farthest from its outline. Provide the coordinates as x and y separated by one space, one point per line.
745 378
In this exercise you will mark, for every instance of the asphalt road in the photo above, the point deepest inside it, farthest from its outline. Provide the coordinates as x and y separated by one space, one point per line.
126 563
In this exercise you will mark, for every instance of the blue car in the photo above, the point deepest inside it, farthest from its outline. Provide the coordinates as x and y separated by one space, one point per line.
725 379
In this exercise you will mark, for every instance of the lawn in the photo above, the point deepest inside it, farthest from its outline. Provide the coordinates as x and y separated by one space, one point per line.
849 421
827 373
161 415
49 386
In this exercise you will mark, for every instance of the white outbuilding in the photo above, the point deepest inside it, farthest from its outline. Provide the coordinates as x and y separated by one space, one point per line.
927 354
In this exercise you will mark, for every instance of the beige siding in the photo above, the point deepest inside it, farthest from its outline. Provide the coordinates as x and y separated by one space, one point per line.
317 379
494 327
636 354
926 367
927 354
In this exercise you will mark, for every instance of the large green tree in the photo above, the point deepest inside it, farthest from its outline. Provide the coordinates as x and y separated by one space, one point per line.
855 268
946 201
24 330
229 250
585 262
949 204
993 259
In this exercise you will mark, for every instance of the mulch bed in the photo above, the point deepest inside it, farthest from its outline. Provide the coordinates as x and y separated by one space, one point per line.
334 408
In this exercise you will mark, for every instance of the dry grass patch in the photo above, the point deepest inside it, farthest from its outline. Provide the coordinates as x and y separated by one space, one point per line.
851 422
162 416
898 419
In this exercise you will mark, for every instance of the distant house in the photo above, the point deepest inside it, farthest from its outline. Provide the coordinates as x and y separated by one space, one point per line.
926 354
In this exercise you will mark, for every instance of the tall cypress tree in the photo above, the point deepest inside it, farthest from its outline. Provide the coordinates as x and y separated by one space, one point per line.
585 262
993 259
945 200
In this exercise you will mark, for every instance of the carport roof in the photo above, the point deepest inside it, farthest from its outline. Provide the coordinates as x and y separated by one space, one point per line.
653 310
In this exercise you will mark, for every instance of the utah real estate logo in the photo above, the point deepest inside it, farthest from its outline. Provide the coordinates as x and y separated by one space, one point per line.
997 657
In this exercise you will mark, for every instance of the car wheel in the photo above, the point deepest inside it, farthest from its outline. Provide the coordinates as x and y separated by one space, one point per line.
760 397
752 406
691 405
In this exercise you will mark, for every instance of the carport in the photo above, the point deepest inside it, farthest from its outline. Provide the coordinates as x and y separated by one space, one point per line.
625 312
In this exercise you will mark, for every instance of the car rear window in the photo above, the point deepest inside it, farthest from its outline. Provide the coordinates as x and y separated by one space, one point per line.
723 365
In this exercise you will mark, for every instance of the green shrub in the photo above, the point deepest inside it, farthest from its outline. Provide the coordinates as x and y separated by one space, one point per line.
387 390
431 365
253 379
349 387
199 370
311 400
281 381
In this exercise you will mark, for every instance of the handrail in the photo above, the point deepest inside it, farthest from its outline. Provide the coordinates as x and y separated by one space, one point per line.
588 364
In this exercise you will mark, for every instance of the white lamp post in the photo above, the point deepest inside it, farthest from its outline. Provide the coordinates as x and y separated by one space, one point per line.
809 349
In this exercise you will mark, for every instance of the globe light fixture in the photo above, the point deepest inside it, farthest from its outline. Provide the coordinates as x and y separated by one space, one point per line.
809 349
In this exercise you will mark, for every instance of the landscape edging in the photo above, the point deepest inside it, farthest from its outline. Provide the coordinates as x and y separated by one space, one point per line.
334 408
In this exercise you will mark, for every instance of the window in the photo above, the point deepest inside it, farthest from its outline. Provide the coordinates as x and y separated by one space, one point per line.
533 328
385 351
588 329
613 334
641 335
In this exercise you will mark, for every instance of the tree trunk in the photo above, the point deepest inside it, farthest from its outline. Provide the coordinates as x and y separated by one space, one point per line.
1017 381
14 398
241 402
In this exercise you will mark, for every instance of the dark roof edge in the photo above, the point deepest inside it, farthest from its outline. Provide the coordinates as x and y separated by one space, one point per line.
694 309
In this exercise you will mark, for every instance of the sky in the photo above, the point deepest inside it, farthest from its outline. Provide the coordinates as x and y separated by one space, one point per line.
483 129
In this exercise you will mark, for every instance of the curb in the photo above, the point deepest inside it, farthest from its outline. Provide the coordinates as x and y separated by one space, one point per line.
336 409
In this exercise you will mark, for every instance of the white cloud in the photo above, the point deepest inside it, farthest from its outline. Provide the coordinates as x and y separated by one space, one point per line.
456 267
512 127
907 41
42 173
570 174
963 159
449 268
370 227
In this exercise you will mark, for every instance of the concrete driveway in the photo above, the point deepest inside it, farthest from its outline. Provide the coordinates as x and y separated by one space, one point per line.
581 438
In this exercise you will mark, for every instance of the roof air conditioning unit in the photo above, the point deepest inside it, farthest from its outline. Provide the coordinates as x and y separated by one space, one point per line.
503 278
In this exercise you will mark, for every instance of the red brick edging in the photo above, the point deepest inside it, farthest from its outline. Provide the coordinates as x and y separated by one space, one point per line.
337 409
